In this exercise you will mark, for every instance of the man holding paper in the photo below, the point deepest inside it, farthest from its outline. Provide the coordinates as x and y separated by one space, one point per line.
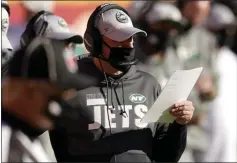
109 128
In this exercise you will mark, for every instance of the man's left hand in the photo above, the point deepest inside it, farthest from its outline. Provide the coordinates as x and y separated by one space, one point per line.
183 112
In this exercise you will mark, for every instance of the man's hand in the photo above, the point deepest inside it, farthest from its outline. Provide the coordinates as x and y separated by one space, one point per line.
183 112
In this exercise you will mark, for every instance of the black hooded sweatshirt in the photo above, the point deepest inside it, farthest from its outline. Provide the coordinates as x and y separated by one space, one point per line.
124 100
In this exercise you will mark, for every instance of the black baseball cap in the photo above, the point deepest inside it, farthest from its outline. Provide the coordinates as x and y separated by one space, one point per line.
48 59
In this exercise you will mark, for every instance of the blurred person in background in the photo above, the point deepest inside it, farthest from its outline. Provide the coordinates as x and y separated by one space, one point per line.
196 43
30 8
233 6
222 115
6 51
46 24
34 94
163 22
196 47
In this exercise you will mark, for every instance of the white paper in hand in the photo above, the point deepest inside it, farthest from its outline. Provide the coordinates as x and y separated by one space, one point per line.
177 89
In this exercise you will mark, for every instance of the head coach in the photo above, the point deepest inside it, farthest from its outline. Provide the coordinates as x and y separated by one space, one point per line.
108 128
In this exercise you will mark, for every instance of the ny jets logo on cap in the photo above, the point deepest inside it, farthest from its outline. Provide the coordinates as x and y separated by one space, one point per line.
62 23
121 17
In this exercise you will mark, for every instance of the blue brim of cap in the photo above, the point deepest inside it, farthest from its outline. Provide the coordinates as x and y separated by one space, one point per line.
66 36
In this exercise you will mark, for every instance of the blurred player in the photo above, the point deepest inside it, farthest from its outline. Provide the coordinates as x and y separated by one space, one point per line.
196 47
192 46
163 22
39 80
221 124
46 24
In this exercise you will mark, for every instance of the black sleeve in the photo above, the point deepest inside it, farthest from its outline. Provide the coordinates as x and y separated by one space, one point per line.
169 142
